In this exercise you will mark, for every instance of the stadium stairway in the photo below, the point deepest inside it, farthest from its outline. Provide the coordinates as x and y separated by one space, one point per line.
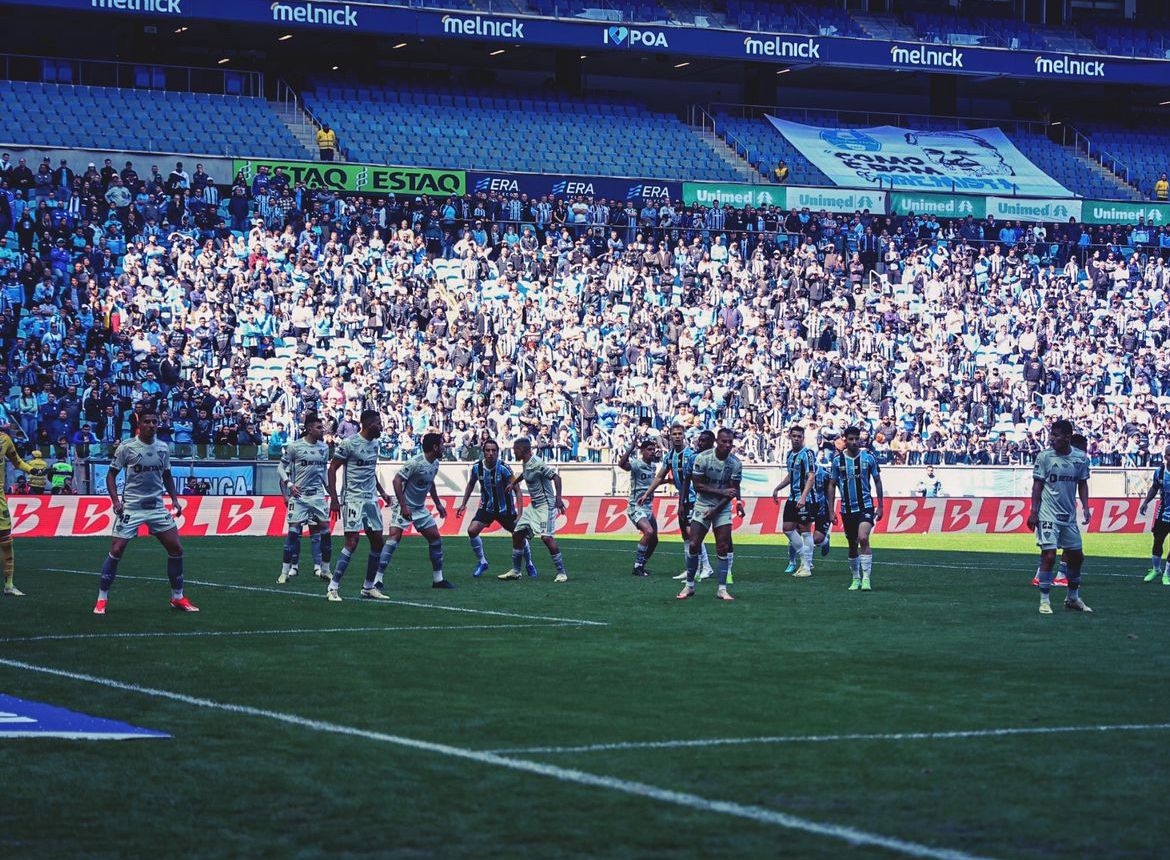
303 127
744 171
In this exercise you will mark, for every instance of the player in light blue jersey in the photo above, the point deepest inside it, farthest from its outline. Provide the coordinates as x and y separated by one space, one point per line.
1160 489
1059 476
803 505
499 502
302 480
641 504
857 478
677 463
716 478
146 462
358 503
413 483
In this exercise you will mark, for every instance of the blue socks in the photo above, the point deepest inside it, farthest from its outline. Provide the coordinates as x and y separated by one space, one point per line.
342 564
175 575
692 567
559 562
640 556
292 546
724 569
109 571
315 546
435 551
382 560
518 558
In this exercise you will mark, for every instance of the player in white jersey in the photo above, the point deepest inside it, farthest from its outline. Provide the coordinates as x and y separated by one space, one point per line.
539 517
413 483
716 477
146 462
302 480
640 509
1059 477
358 502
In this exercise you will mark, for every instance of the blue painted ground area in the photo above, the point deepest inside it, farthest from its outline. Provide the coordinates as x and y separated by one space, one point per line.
20 718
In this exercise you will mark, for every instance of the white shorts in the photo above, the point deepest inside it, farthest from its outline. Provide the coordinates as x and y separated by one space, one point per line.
357 516
540 521
157 520
637 513
420 518
1058 536
303 510
702 514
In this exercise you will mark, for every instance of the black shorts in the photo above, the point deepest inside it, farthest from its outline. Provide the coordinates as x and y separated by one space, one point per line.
485 517
802 514
1160 530
824 519
685 509
852 522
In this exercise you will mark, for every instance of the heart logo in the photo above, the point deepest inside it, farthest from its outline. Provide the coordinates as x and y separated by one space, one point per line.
617 35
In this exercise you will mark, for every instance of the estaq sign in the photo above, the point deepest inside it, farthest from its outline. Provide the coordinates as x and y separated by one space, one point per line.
363 178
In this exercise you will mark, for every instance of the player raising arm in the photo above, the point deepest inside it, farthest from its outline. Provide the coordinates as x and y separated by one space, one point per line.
147 463
640 509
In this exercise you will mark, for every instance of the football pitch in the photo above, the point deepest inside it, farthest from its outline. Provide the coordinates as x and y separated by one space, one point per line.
938 716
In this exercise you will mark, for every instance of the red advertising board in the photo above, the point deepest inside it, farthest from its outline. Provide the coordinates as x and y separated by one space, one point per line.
221 516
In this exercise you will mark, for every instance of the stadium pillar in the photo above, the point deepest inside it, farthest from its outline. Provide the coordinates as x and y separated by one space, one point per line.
944 95
569 71
759 84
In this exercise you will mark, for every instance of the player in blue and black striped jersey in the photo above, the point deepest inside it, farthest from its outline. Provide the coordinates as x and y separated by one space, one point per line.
856 479
1161 528
804 501
678 462
498 503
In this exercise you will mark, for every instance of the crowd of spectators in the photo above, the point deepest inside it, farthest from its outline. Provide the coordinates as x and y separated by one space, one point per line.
574 321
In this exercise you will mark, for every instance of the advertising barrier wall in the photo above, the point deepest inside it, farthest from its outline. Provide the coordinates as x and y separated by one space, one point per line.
362 178
519 31
264 516
538 185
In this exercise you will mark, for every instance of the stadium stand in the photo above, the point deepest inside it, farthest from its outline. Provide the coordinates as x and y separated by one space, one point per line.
1142 147
147 120
446 127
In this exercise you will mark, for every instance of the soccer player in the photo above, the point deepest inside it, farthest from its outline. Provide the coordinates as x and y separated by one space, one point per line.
1060 475
1160 488
1079 443
803 503
498 503
716 477
677 463
823 524
640 509
539 518
302 478
7 556
857 477
413 483
358 504
146 461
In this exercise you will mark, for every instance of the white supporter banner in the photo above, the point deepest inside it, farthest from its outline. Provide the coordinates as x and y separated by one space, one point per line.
265 516
980 160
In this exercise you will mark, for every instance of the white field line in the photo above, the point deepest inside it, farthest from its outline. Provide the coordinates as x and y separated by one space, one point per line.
758 814
182 634
320 595
781 555
807 739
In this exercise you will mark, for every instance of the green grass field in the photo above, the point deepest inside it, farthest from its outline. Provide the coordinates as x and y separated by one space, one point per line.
520 719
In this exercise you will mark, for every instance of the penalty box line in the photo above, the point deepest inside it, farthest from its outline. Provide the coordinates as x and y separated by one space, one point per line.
761 815
321 596
297 631
809 739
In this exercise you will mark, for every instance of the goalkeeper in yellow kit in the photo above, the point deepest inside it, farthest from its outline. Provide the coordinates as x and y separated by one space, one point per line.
8 450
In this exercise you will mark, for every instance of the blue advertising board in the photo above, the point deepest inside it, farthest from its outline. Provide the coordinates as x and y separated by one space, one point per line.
568 187
519 30
20 718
